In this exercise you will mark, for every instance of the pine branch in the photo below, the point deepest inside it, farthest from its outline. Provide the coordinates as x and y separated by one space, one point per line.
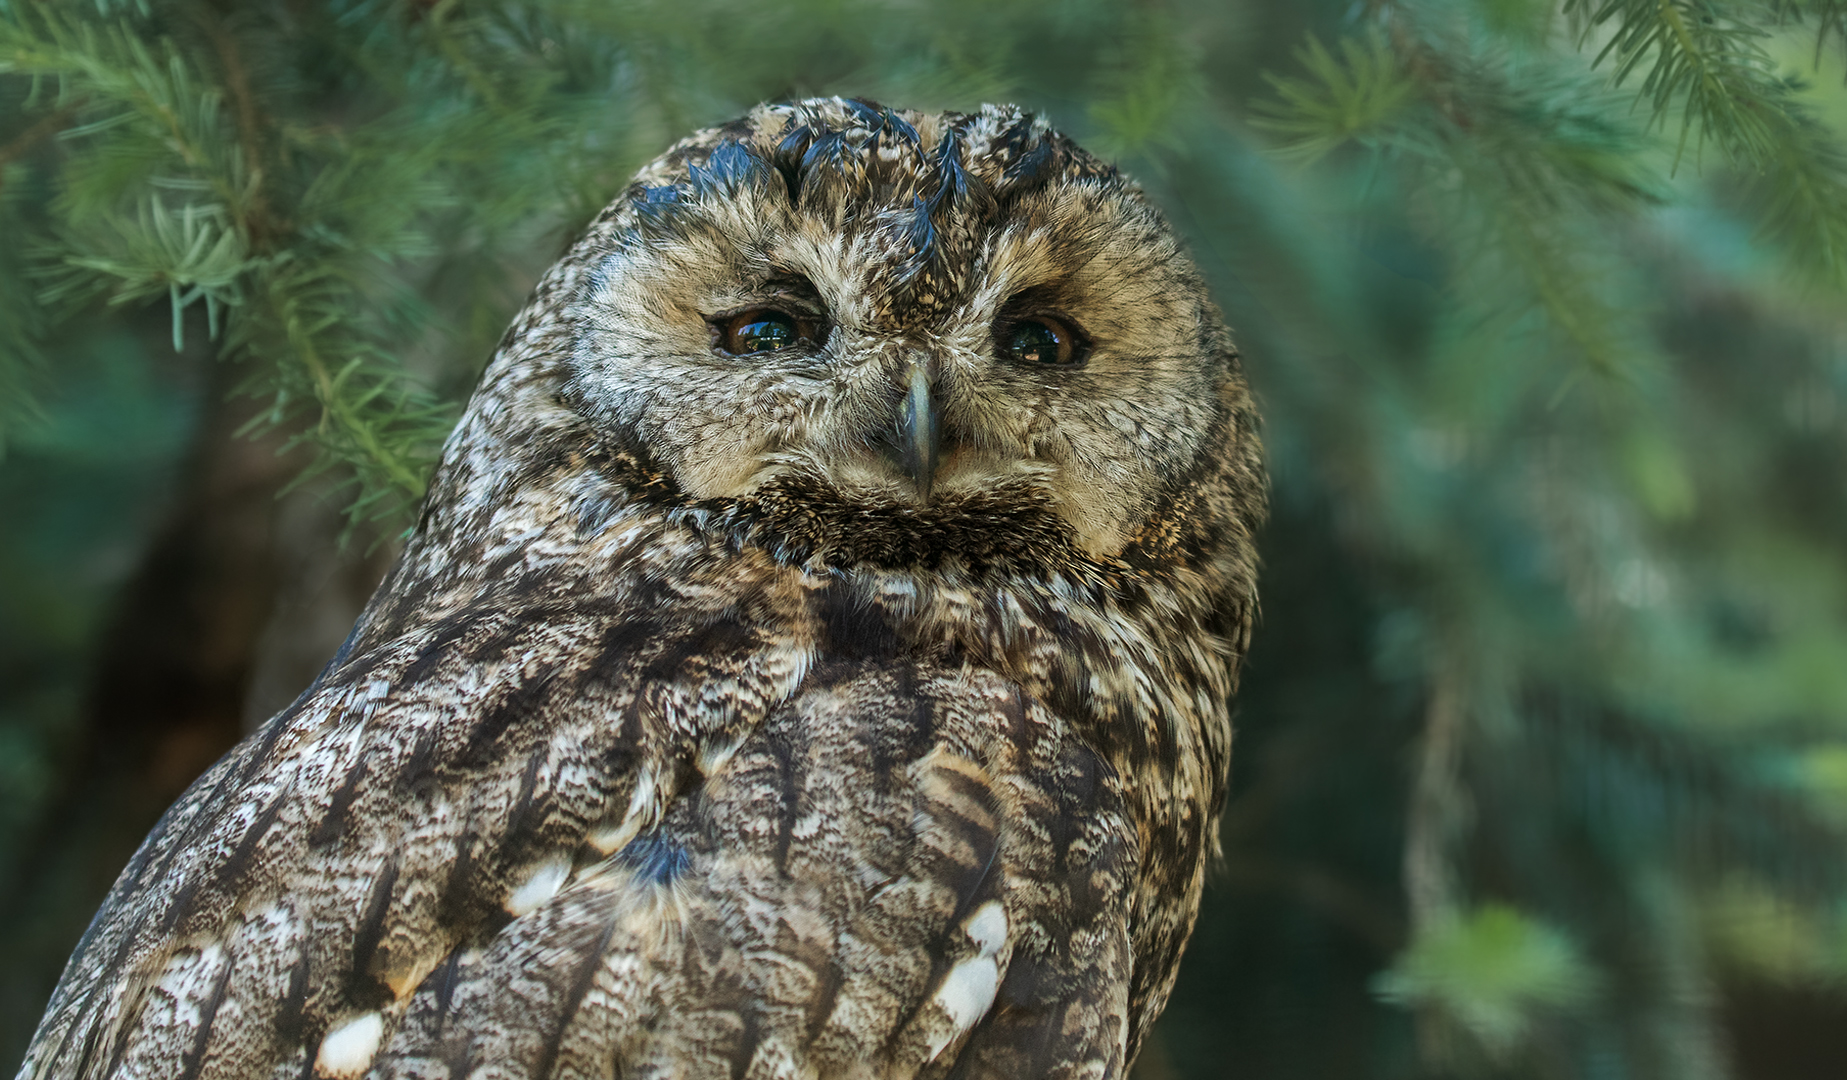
153 133
190 254
1150 74
1701 62
362 413
1518 164
1355 98
1705 62
125 80
1828 17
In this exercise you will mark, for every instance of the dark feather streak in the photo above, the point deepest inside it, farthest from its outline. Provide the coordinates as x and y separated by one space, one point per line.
332 825
582 979
524 700
291 1012
194 1058
363 987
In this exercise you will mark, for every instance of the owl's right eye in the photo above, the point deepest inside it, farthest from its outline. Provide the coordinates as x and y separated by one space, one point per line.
759 330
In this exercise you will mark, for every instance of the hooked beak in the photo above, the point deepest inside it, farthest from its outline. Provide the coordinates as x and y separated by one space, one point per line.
919 431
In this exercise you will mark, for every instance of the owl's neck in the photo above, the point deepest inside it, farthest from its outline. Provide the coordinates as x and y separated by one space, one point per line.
1085 637
591 523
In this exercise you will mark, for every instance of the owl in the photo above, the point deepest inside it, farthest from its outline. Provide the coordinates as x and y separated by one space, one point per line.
813 659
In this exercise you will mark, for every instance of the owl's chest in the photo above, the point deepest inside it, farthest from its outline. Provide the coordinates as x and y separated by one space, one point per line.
871 673
901 861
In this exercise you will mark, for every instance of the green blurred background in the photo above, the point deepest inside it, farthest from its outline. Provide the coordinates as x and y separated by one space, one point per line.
1542 756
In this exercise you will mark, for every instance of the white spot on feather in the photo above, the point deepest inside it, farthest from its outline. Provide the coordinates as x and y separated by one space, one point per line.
544 883
987 928
966 995
641 801
347 1050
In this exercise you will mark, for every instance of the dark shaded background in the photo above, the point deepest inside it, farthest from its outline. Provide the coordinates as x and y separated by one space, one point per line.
1542 755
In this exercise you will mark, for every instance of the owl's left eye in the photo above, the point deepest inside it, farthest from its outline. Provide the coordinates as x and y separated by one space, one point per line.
759 330
1040 341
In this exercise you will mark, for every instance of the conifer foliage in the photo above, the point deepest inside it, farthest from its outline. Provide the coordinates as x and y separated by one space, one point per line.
1542 767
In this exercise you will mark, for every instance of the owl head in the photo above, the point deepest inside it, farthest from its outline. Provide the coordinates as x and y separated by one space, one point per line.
865 334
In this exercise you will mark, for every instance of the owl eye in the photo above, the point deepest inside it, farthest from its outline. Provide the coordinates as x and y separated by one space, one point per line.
1040 340
759 330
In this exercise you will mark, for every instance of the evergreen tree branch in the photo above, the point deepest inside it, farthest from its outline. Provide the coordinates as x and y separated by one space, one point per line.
1829 17
1517 164
126 80
1354 98
1706 61
362 413
256 224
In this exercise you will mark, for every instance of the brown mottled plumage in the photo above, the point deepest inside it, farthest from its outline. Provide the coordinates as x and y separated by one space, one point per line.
855 707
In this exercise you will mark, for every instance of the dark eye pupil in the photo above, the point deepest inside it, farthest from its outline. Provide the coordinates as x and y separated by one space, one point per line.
761 331
1035 342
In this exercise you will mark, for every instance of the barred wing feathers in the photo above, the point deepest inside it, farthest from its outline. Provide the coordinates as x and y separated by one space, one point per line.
562 840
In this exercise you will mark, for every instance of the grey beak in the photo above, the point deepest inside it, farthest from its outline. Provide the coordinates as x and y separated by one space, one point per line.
919 431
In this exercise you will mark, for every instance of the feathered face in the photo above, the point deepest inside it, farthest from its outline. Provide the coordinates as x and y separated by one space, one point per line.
908 314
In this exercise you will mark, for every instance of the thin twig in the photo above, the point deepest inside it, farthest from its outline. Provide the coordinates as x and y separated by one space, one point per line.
255 218
1435 807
